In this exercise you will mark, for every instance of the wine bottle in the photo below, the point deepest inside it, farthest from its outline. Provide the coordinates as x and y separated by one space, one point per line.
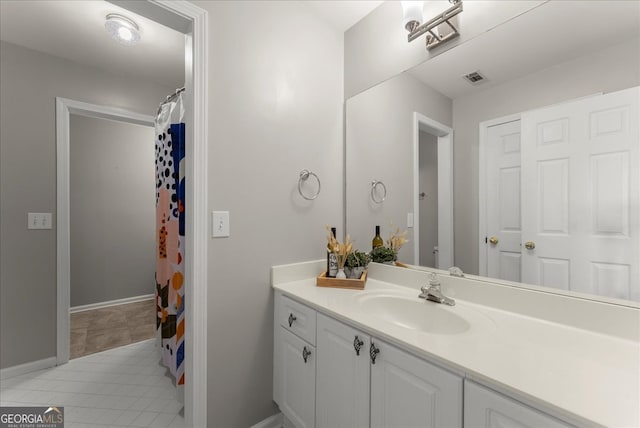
332 260
377 240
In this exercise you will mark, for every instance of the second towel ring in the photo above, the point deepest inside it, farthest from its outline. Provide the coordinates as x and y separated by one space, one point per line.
304 176
374 186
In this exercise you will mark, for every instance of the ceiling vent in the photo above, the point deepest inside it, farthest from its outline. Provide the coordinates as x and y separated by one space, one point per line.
475 78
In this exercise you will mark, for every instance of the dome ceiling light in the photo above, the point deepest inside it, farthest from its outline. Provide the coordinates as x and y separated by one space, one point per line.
122 29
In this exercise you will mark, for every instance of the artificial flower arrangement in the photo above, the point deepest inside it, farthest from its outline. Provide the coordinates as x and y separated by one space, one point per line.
389 253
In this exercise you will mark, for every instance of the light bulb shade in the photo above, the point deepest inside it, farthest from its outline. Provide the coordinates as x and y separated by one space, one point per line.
412 13
122 29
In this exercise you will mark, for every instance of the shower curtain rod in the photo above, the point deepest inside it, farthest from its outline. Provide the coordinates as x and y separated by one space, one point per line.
170 98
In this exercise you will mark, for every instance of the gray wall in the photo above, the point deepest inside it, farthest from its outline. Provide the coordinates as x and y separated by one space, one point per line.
112 210
376 48
611 69
29 83
428 167
275 108
379 146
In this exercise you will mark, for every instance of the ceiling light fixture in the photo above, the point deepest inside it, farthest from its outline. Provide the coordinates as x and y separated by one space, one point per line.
122 29
412 21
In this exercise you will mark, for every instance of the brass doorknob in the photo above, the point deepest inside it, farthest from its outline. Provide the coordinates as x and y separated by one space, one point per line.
529 245
493 240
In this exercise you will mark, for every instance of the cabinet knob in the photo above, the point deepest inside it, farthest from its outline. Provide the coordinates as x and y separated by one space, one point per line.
357 344
373 353
292 318
305 354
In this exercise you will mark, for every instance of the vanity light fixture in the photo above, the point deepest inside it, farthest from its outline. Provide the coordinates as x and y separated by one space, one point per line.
412 21
122 29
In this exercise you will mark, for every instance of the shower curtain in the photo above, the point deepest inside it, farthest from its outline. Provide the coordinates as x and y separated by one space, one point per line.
170 239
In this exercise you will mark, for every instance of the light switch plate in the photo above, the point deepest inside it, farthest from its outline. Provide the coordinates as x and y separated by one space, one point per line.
39 221
409 220
220 224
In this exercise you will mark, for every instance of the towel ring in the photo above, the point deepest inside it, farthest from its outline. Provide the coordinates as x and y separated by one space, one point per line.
304 176
374 186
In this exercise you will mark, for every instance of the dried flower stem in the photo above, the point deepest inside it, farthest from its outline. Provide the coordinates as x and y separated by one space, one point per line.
341 250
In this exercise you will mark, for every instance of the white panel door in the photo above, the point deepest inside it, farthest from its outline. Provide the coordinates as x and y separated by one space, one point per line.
503 201
581 195
342 376
408 392
298 380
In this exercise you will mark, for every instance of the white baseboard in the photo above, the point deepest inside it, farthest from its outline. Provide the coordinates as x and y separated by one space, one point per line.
274 421
27 368
100 305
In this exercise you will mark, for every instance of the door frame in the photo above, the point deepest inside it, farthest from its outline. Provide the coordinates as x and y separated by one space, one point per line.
193 22
445 187
483 130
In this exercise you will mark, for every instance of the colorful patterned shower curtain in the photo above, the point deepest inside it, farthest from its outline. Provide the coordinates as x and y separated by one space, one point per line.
170 239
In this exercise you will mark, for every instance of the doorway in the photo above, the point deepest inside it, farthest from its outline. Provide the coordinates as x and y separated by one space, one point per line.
112 234
428 197
191 21
427 133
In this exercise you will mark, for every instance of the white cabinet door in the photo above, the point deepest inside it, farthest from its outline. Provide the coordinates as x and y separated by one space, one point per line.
297 371
342 380
484 408
409 392
503 201
581 195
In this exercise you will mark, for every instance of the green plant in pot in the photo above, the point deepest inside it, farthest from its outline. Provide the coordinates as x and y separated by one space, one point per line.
356 264
384 255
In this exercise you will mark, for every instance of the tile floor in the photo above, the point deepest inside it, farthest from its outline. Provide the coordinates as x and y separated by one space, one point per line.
107 328
122 387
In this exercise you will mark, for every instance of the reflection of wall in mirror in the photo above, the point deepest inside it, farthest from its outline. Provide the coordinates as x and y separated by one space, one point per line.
379 132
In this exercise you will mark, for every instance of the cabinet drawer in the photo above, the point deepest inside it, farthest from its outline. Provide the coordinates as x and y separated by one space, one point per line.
299 319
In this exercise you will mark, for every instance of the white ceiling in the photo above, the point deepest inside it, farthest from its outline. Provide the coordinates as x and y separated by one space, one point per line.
552 33
74 30
342 14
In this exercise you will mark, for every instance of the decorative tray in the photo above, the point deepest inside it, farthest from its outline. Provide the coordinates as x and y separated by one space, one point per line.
355 284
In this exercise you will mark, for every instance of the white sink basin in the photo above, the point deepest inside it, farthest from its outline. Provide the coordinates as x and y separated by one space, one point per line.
413 313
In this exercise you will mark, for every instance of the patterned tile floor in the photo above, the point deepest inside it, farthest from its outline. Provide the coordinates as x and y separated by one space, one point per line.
122 387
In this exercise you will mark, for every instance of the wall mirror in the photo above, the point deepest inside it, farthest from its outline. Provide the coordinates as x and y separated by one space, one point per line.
549 75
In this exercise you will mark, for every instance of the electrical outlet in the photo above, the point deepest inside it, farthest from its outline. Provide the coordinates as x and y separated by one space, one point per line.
220 224
39 221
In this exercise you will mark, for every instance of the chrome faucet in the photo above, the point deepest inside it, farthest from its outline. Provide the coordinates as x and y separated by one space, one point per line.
434 293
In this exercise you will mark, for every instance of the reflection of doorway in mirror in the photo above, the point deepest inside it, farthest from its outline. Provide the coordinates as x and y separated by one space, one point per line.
428 197
442 198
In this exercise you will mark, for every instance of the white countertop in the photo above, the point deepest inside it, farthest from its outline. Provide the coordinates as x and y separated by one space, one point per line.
588 378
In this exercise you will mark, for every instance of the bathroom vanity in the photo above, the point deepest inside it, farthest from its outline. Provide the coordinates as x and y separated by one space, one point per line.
503 356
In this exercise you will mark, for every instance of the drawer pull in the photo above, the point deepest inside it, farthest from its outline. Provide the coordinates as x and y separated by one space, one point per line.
357 344
292 318
373 353
305 354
